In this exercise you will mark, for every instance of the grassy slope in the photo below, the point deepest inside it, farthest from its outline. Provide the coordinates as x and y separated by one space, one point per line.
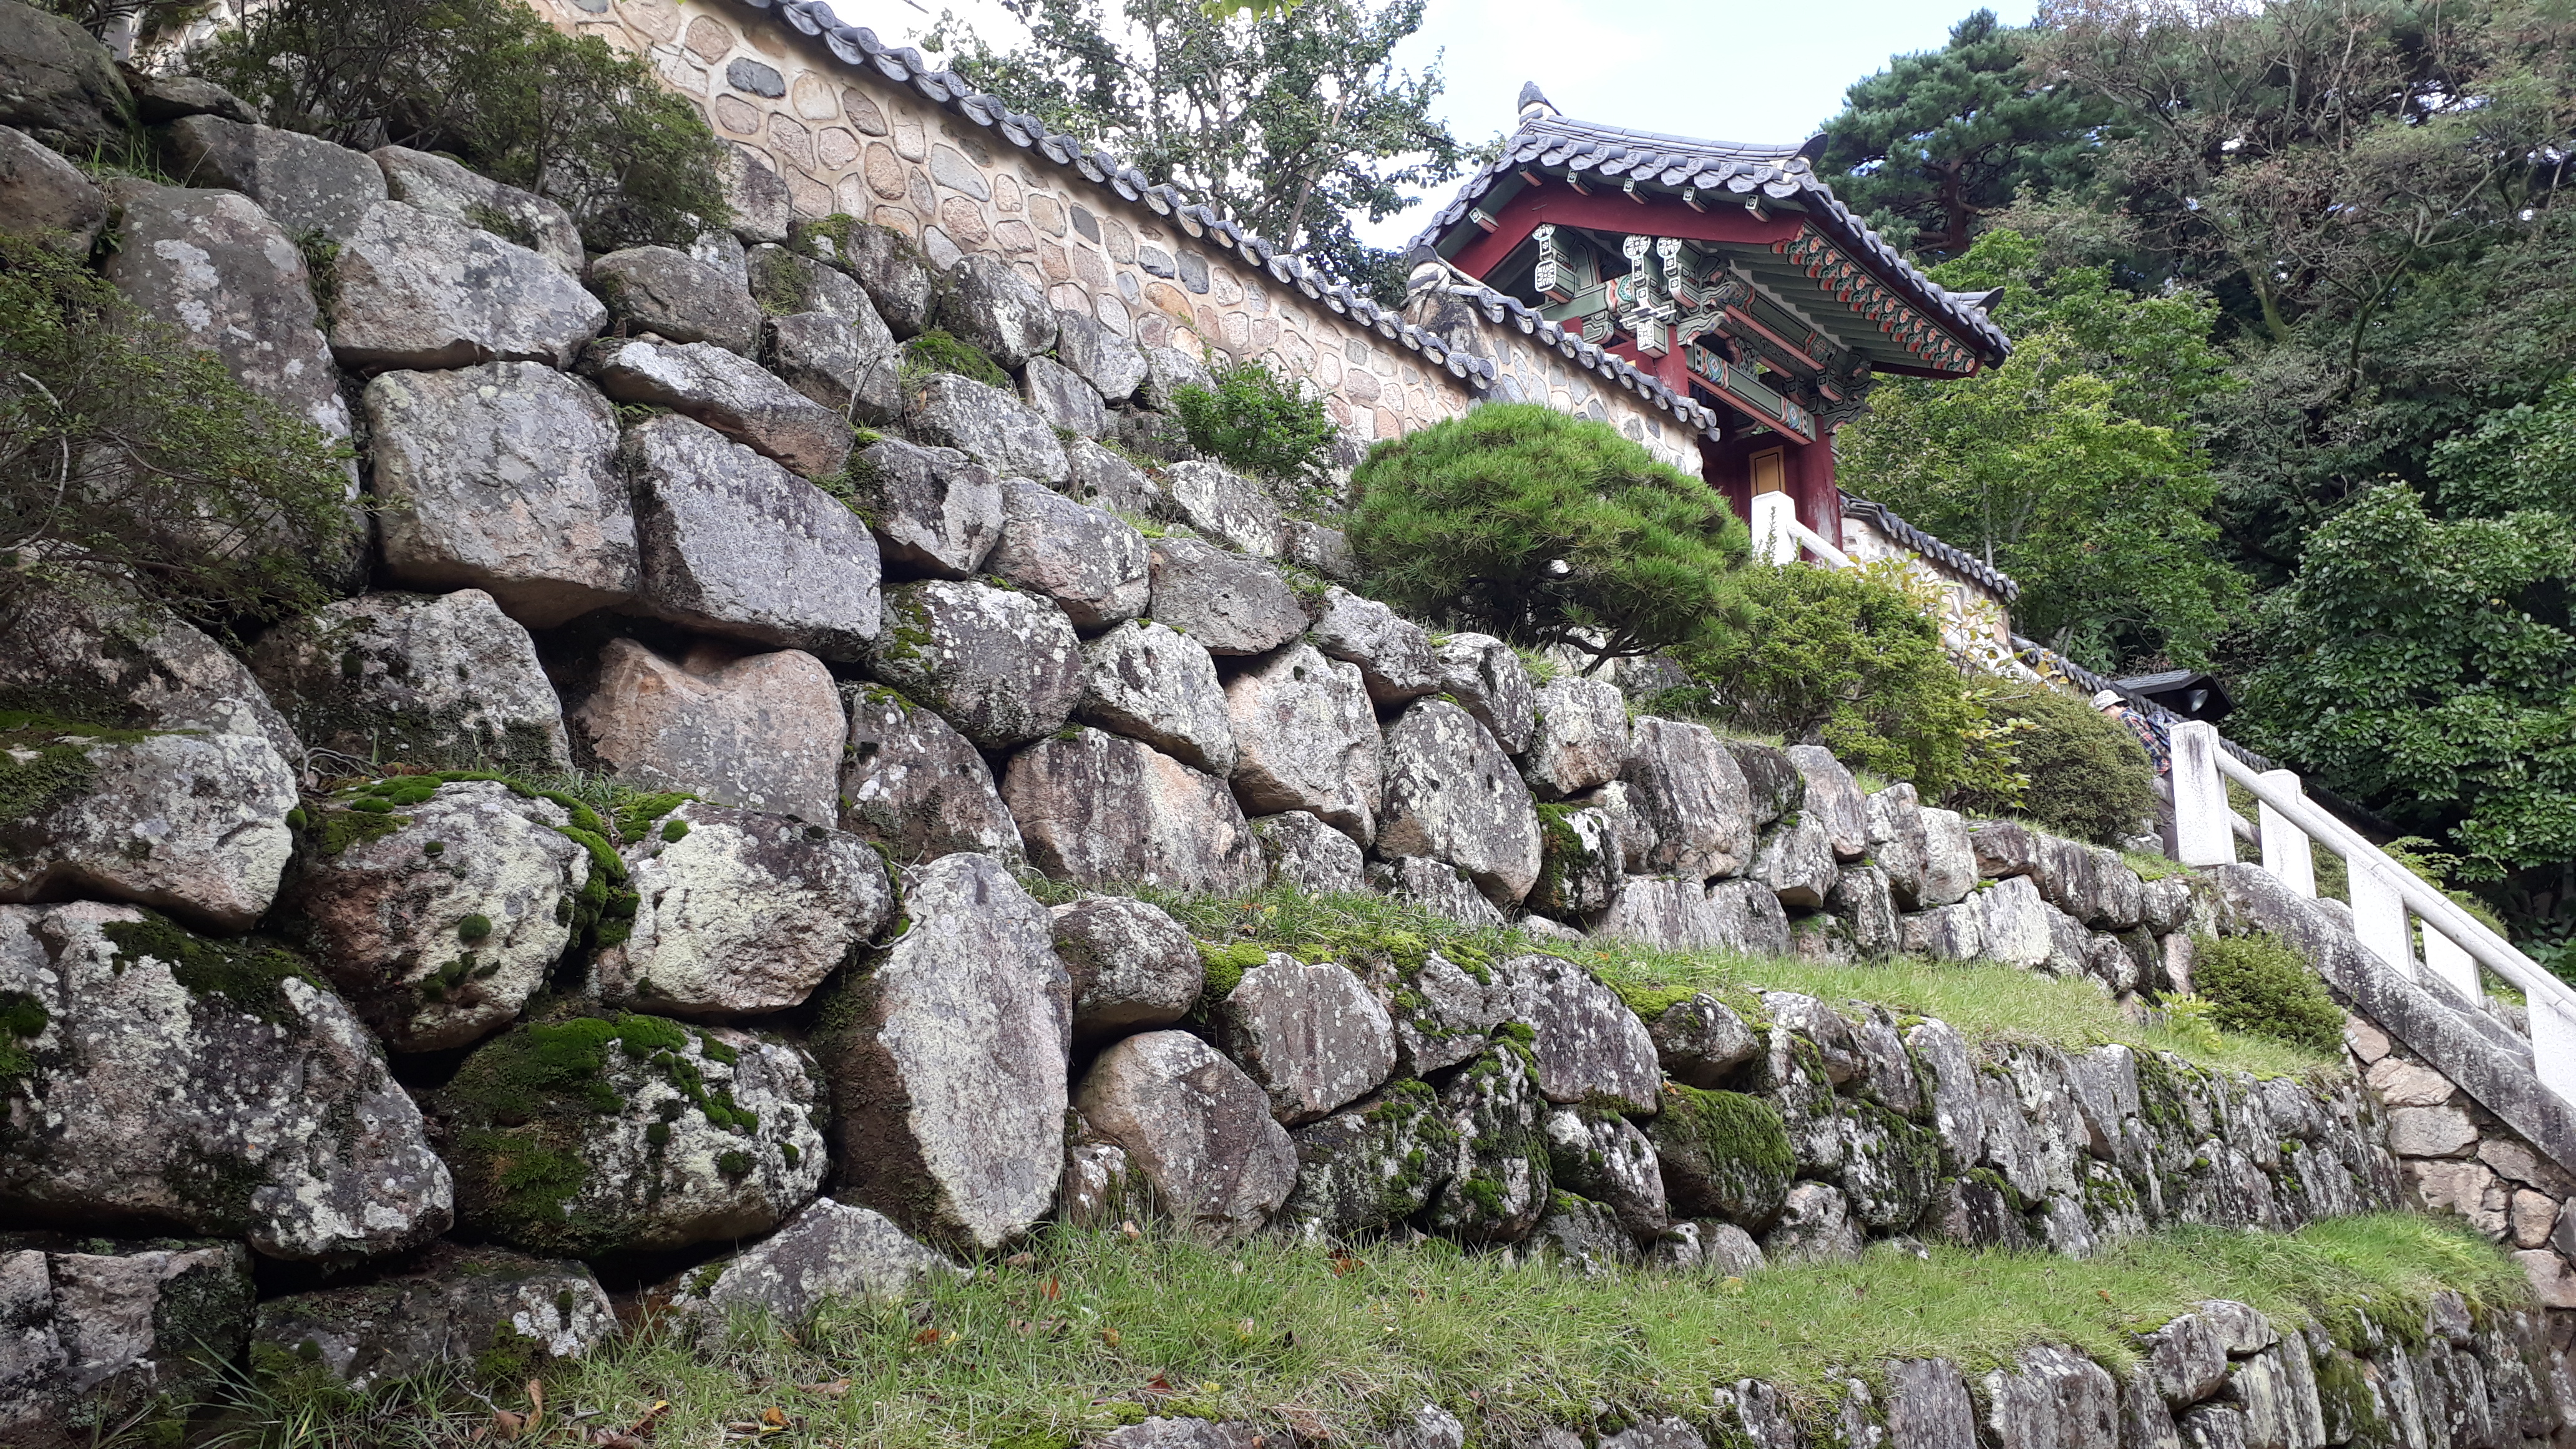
1089 1330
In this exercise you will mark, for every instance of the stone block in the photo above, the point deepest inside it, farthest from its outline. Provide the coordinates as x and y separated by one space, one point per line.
762 731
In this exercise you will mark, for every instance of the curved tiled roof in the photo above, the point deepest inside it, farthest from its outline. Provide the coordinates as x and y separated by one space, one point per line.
1549 142
859 48
1957 560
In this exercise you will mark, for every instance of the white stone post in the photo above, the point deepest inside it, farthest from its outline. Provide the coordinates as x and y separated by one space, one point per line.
1772 539
2201 818
2448 961
2287 852
2379 914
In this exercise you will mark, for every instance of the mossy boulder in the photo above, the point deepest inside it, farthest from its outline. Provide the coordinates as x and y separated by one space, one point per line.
1890 1167
444 680
501 1315
1498 1183
582 1136
1603 1157
1724 1154
112 1333
1371 1165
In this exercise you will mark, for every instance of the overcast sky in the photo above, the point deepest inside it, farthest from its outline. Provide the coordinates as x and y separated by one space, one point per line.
1732 70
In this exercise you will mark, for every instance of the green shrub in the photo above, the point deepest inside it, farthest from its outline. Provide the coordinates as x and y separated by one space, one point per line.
519 101
1547 529
129 458
2260 986
1256 422
940 351
2088 777
1849 660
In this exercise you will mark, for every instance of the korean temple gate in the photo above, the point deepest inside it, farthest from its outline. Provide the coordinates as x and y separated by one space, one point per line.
1731 274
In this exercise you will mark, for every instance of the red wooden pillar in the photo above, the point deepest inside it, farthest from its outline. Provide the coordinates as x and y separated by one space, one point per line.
1811 482
1740 465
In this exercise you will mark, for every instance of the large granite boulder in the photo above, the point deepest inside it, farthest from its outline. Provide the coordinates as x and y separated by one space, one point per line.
1156 684
190 823
1393 653
1113 365
183 1083
836 364
726 392
947 1060
1497 1185
762 732
1833 800
896 275
1776 786
1722 1154
440 916
1062 398
1229 603
935 513
1106 479
2051 1396
830 1251
1100 810
1483 674
430 679
1309 1033
730 543
118 659
1745 917
1588 1046
678 298
1816 1226
986 424
985 302
59 85
1168 369
1442 889
501 478
1092 564
785 283
1796 862
1453 796
215 267
1700 1040
1443 1012
1195 1127
1578 737
416 290
914 785
1578 876
1223 505
440 186
1132 965
308 185
1600 1155
1691 799
45 199
1306 739
1371 1165
1000 665
587 1135
739 913
105 1333
1926 853
1309 855
454 1305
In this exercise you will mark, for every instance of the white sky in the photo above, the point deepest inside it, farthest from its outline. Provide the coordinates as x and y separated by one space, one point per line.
1732 70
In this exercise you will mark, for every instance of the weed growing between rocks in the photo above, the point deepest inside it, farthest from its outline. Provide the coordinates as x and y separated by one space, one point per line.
1085 1331
1255 421
938 351
2261 986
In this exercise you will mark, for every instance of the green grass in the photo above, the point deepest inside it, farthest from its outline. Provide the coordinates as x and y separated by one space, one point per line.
1090 1330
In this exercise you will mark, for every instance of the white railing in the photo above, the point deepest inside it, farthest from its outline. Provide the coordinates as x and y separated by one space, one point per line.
2384 893
1777 533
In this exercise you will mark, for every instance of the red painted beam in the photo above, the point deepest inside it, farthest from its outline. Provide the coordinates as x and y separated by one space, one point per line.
1560 205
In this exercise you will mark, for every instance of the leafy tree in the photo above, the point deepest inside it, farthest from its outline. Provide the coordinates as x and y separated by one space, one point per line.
1941 138
1853 661
1294 121
2071 466
487 80
2426 667
1547 529
130 459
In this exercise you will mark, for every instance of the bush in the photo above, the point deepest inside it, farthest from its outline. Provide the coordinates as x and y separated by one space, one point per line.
514 98
1850 660
2088 777
2260 986
1546 530
1256 422
130 459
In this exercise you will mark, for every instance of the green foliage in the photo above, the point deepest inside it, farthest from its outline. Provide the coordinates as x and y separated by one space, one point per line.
1302 1341
516 99
1257 422
250 974
129 458
2069 467
1296 122
2087 777
1548 530
2261 986
937 350
23 1018
1941 138
1850 660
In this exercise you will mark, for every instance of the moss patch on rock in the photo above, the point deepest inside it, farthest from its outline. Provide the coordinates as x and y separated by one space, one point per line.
1724 1154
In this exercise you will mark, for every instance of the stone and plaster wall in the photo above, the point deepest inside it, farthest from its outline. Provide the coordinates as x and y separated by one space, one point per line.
300 959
